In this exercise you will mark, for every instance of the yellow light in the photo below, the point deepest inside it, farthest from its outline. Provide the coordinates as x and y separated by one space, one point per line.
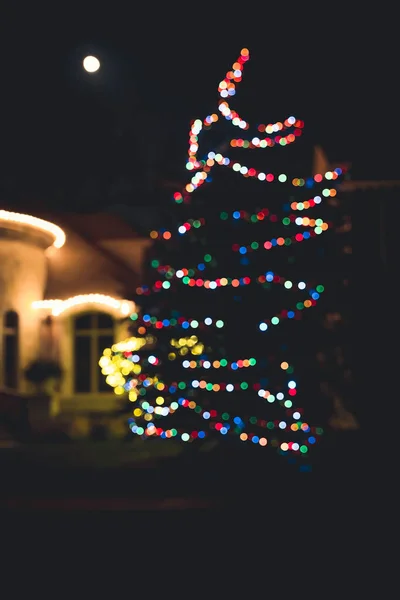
40 224
57 307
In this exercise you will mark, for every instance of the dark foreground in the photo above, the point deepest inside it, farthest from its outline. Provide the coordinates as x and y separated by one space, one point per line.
223 479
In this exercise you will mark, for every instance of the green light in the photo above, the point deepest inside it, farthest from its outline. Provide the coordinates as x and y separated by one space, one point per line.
255 245
274 320
186 280
254 218
153 320
207 257
173 322
252 361
196 224
225 416
182 385
288 404
303 449
134 316
191 272
299 306
145 405
319 430
282 178
219 324
174 432
224 216
271 399
209 387
253 420
290 369
270 425
288 241
194 324
223 362
155 263
198 409
286 221
244 385
320 288
288 285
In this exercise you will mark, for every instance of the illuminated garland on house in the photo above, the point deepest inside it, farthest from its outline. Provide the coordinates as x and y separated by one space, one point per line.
57 307
136 373
36 223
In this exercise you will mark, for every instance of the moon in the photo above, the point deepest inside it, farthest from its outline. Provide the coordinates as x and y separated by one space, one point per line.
91 64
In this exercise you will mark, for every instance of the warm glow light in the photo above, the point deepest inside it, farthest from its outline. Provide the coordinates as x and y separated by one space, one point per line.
40 224
59 306
91 64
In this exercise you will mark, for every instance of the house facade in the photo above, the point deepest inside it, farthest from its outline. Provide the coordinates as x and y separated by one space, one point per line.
65 284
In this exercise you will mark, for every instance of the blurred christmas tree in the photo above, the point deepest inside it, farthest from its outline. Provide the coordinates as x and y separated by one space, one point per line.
234 266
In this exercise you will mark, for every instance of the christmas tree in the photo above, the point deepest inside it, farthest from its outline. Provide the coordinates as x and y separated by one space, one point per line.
233 275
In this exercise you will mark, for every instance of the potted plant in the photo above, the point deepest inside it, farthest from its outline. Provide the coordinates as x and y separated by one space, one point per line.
40 373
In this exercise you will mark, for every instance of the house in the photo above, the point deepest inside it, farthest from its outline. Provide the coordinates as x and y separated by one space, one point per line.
66 281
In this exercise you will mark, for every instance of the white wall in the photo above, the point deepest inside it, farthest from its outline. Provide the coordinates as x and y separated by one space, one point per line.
23 273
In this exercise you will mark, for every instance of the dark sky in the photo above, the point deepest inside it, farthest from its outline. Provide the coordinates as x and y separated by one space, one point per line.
60 126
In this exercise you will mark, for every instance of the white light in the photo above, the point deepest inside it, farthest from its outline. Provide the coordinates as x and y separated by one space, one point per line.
54 230
91 64
59 306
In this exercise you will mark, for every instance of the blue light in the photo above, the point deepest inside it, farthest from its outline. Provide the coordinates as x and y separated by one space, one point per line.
242 249
146 318
201 266
306 235
234 366
269 276
223 430
255 439
315 296
165 322
238 421
311 439
185 324
172 389
290 314
201 435
236 214
274 242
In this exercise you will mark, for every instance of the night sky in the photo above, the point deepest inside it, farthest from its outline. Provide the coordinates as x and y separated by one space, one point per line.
64 131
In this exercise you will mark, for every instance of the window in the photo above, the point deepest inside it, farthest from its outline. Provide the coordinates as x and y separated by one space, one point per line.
92 333
10 349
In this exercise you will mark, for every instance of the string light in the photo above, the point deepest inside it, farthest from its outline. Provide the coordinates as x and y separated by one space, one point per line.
35 223
140 372
57 307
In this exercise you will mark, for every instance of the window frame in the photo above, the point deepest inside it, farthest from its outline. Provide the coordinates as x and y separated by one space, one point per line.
93 333
13 332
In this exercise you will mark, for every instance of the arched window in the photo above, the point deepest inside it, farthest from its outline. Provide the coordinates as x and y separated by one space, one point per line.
92 333
10 350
